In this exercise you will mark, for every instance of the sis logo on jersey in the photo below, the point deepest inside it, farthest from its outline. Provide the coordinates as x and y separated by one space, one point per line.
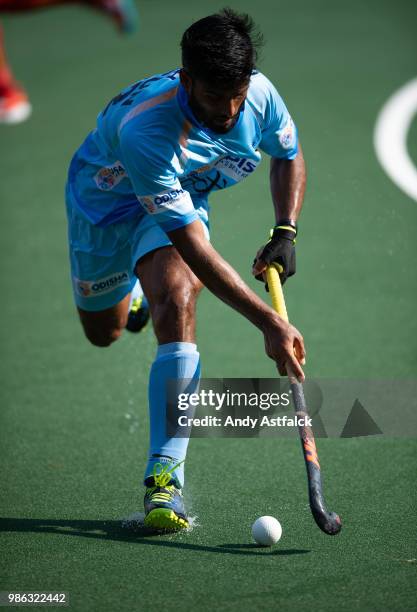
287 135
236 168
93 288
175 199
109 176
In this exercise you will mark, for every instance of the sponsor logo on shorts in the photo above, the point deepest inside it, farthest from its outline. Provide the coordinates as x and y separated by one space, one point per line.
109 176
286 136
93 288
175 199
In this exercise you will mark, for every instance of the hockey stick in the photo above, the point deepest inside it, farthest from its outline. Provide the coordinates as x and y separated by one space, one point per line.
329 522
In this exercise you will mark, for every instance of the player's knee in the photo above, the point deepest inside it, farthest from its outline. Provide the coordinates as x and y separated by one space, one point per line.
103 338
177 302
184 296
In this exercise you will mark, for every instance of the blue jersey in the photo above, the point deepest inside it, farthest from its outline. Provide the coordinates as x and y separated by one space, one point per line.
149 154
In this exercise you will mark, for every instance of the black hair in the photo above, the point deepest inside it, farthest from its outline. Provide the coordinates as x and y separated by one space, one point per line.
221 49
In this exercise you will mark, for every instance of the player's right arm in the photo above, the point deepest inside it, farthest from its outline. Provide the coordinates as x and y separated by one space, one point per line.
282 340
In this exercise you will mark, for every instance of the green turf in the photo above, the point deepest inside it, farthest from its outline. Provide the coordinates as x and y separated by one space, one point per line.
74 418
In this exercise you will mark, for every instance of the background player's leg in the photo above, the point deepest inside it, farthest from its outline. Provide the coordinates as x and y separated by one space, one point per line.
123 12
24 5
103 327
172 290
14 103
6 77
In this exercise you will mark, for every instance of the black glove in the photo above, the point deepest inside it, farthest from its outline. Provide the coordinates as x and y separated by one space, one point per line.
280 249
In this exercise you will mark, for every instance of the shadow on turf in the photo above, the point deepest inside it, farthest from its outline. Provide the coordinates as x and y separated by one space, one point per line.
237 548
114 530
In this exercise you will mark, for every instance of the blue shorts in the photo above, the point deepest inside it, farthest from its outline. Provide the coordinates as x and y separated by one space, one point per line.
103 259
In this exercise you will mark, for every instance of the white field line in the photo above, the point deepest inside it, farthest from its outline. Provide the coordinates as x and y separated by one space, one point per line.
390 138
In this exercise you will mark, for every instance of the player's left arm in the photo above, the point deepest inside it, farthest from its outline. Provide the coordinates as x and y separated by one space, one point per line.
288 182
287 176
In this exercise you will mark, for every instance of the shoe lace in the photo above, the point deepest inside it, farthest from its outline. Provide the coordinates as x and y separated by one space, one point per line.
162 478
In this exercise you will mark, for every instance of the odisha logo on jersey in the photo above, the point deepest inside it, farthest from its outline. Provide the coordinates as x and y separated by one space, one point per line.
168 197
109 176
162 201
103 285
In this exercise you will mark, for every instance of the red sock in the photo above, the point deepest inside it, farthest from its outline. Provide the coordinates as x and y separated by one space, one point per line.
6 78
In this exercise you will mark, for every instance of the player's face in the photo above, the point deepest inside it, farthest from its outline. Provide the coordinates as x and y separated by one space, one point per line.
217 108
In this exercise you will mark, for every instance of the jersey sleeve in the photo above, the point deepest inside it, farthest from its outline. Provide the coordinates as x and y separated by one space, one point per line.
149 162
279 133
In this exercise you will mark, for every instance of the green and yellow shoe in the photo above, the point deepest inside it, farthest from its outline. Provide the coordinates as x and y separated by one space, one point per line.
164 505
138 314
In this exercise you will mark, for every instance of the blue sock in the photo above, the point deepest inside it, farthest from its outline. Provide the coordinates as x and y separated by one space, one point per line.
176 360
